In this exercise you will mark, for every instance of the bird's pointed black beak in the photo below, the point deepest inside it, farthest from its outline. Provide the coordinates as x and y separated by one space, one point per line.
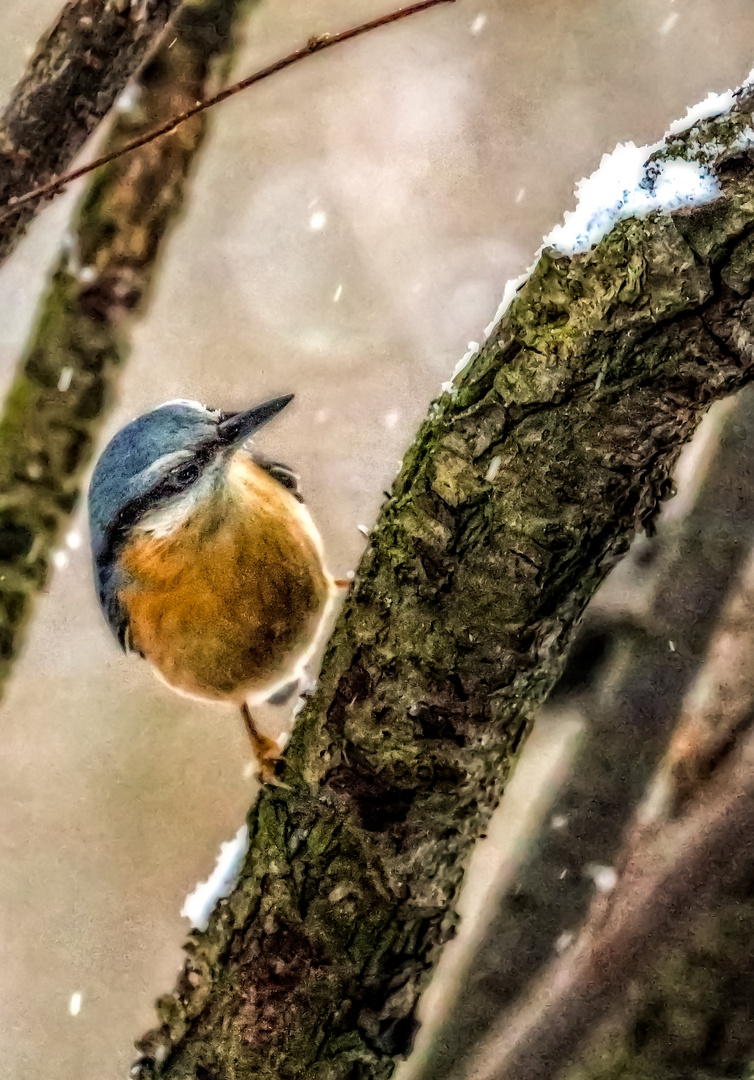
240 426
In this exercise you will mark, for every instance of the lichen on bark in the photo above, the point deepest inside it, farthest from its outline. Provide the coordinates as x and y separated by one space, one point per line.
452 635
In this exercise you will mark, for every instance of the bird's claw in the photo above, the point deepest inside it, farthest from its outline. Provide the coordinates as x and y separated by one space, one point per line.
268 777
268 767
266 750
269 760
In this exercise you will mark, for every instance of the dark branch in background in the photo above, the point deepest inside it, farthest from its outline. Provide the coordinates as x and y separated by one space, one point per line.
688 853
626 676
688 1014
315 44
522 488
68 373
78 69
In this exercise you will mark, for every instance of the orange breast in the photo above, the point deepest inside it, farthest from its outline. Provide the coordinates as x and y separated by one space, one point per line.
229 602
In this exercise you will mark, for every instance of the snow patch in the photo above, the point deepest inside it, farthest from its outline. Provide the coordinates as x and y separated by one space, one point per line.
712 105
494 469
622 187
625 186
472 349
605 878
129 100
509 293
64 382
221 882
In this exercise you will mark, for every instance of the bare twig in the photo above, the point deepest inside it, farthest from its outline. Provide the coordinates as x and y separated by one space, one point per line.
314 44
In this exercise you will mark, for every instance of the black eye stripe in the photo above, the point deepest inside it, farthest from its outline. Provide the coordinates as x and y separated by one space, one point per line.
186 474
180 479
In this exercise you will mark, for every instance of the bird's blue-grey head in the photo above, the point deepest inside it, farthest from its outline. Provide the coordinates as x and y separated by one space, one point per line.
150 461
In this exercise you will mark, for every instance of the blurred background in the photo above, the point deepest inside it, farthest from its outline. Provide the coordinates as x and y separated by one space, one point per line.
348 231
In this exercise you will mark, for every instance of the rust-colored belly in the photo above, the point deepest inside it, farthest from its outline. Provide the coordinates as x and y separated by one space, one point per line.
228 603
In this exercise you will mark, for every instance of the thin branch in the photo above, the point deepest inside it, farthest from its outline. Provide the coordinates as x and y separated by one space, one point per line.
314 44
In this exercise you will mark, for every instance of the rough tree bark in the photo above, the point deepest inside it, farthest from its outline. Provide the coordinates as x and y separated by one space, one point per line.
687 863
524 485
73 78
627 681
67 376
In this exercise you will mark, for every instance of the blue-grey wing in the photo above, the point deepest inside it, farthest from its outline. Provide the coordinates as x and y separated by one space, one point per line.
106 543
107 586
286 477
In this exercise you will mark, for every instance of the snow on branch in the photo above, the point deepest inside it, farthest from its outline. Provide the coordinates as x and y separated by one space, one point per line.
222 881
634 181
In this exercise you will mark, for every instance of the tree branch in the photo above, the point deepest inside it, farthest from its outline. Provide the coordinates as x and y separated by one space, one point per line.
523 486
103 276
78 69
627 684
689 869
688 852
314 44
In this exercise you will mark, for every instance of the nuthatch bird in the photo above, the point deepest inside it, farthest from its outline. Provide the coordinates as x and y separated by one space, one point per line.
206 561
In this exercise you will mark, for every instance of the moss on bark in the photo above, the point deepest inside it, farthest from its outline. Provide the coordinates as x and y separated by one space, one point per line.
452 635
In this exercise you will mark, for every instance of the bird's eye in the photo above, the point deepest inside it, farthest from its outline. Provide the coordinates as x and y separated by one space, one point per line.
186 474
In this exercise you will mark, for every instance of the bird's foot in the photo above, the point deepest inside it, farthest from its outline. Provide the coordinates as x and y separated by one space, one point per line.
266 750
268 769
